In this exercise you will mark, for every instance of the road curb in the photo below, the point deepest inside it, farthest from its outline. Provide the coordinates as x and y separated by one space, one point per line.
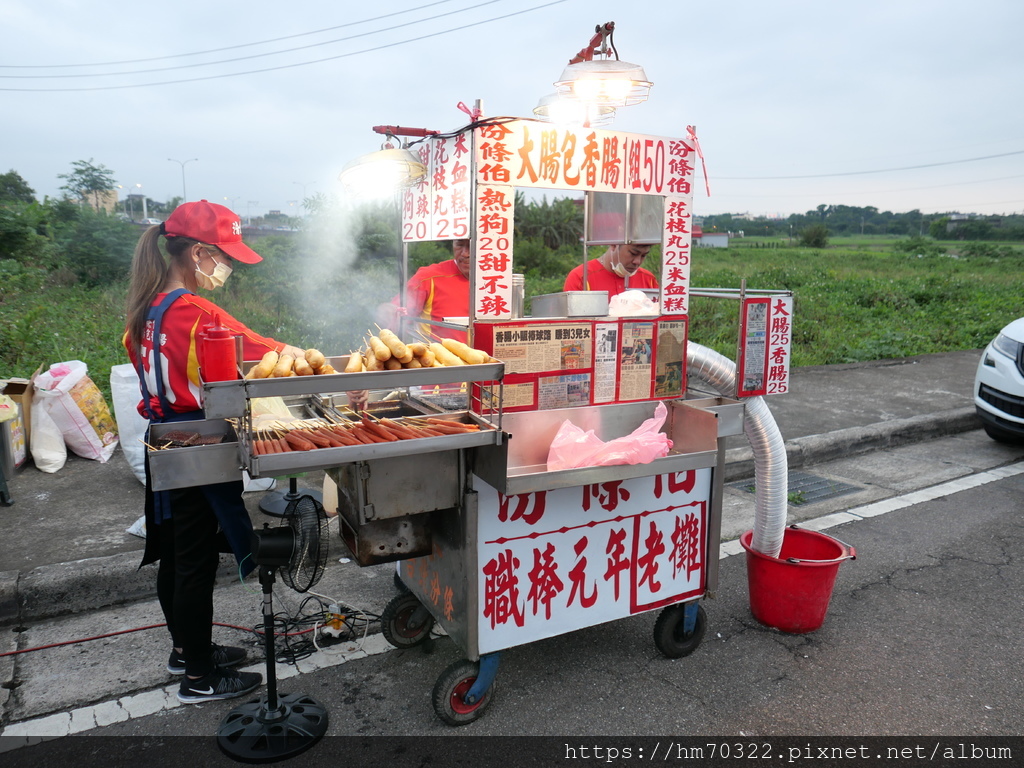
50 591
843 443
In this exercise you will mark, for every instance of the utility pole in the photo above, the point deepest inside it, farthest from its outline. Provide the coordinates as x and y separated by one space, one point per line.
183 163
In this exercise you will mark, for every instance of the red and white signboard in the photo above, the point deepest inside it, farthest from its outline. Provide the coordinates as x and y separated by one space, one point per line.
439 207
554 561
522 153
492 287
675 255
766 337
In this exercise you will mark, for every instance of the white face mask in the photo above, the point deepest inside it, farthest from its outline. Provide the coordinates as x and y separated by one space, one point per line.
620 270
221 272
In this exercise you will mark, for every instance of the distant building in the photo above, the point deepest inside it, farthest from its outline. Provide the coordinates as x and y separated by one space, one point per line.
702 239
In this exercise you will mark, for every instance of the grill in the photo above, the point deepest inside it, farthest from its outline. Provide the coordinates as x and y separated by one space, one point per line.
1008 404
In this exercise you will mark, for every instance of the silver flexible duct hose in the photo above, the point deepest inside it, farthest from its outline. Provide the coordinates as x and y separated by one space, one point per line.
771 466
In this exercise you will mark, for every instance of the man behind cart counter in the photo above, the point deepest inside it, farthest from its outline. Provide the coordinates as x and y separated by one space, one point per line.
435 292
616 270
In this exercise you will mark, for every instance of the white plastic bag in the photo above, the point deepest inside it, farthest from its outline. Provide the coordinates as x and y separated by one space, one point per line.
77 407
572 447
131 425
632 303
46 443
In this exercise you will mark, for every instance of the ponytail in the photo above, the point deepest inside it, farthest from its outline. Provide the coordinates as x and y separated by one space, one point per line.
148 274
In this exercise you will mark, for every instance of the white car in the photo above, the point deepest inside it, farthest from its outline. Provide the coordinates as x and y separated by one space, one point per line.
999 385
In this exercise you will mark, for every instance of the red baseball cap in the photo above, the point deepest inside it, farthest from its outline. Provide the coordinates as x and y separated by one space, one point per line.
212 224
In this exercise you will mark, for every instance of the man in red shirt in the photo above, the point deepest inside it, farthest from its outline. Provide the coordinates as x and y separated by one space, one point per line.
435 292
616 270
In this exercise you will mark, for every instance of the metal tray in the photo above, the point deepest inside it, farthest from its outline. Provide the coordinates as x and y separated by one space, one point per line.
226 399
570 304
278 464
194 465
519 464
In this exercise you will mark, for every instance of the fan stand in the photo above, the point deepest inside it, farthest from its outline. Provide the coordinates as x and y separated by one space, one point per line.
274 727
276 503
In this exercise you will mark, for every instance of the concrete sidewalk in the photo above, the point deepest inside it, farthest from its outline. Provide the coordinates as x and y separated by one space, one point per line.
65 547
71 571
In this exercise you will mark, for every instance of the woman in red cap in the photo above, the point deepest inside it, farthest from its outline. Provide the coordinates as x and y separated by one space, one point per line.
187 528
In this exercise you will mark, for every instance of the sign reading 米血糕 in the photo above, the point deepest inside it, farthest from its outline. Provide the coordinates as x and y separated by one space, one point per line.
439 206
554 561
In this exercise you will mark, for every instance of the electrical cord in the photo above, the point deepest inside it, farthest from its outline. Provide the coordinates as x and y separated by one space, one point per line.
285 627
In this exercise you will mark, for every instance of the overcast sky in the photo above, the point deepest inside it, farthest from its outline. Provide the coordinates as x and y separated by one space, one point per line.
896 104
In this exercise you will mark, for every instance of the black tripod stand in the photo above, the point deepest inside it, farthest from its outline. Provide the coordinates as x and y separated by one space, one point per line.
275 727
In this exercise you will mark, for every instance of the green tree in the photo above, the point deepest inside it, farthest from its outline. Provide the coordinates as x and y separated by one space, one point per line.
814 236
556 224
98 248
87 179
939 228
14 189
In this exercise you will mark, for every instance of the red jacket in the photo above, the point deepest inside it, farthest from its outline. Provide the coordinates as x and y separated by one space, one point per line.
435 292
181 325
601 279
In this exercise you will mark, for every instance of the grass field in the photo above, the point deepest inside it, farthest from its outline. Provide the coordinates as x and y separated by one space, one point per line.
860 299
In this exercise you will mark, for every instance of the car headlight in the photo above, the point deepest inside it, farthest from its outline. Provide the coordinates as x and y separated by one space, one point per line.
1006 345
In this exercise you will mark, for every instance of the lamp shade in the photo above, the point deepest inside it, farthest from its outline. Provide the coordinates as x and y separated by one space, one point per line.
605 82
569 110
383 171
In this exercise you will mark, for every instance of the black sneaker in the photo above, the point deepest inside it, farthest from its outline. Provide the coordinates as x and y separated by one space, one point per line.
219 684
222 655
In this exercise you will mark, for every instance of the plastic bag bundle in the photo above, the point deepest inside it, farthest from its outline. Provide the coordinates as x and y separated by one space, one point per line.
76 406
573 447
131 425
632 303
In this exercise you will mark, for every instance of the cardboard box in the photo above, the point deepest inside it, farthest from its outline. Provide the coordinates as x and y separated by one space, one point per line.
15 440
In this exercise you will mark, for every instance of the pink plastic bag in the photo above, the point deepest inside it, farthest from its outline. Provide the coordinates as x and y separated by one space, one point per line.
573 448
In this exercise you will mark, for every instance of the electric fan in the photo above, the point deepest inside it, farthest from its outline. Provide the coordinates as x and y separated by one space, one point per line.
276 727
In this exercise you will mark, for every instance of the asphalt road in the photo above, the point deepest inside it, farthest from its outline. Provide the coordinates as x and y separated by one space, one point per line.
922 638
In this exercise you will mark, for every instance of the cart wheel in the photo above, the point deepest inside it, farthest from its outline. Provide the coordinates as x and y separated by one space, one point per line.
450 690
669 637
405 622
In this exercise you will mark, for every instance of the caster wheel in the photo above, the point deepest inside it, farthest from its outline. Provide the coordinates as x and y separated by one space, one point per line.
450 690
669 637
405 622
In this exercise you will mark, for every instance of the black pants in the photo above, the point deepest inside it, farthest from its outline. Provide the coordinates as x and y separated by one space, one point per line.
189 556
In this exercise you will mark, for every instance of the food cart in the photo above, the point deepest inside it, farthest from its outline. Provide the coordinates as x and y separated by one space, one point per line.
520 551
491 544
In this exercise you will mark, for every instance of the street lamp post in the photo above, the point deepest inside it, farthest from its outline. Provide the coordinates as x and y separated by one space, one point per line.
145 212
183 163
303 185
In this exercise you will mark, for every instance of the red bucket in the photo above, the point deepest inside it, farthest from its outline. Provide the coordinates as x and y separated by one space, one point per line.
791 592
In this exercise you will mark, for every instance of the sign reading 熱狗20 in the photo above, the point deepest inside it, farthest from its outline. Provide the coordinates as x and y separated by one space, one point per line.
555 561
